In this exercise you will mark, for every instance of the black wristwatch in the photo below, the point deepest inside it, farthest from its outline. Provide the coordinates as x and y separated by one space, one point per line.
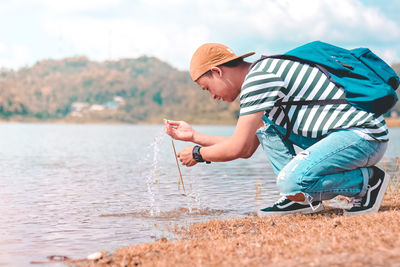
197 156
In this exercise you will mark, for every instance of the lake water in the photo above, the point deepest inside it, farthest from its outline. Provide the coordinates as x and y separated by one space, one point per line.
73 190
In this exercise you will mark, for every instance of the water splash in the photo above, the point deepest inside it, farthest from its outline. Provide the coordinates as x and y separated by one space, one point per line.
193 201
153 175
193 197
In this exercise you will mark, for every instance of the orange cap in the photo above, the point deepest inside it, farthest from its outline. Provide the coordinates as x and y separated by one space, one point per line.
210 55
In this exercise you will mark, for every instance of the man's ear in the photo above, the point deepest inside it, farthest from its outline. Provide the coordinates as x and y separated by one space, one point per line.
217 71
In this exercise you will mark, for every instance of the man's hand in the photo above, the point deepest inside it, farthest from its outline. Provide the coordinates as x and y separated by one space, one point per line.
186 156
179 130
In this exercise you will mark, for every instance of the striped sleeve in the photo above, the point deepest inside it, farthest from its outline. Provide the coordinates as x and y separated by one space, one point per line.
259 92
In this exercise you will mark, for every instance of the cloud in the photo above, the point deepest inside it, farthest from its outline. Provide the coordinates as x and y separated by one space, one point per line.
281 25
117 38
390 55
76 5
14 56
173 29
341 20
2 48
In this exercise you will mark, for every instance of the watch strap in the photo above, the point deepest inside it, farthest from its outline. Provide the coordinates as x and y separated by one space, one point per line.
197 156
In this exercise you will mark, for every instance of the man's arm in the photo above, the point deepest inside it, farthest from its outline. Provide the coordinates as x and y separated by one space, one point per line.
181 130
242 144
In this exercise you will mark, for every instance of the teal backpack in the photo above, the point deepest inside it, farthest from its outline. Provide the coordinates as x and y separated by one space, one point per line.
369 83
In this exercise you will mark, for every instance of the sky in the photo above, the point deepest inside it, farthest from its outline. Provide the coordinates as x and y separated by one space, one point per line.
171 30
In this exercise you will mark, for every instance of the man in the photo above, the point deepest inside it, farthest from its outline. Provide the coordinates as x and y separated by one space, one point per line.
340 143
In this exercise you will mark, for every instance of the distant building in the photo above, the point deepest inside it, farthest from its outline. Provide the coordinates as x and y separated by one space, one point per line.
77 108
111 105
115 103
96 107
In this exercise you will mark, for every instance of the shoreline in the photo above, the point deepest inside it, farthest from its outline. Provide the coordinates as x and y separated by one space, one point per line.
326 238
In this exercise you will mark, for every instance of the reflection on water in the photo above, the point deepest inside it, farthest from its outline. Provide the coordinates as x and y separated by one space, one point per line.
75 189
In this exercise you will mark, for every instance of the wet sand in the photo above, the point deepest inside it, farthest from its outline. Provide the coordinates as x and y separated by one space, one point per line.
328 238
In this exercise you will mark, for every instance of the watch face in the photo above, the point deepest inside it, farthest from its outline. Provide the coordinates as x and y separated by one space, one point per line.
197 158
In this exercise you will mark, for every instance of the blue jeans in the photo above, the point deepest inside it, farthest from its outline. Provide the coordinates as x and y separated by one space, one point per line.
334 165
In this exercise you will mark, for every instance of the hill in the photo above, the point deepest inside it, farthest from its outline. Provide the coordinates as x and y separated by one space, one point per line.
140 90
144 89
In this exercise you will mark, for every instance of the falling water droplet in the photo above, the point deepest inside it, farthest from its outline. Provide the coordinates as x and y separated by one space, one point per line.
152 175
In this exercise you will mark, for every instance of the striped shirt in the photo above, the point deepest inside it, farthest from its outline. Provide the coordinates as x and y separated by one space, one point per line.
271 80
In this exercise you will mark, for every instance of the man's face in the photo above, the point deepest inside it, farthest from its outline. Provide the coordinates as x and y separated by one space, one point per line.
219 87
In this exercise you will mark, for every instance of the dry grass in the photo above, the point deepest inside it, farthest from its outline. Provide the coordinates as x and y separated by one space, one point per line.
392 167
312 240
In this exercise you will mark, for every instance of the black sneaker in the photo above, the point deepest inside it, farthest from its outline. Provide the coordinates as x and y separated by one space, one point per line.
372 200
285 206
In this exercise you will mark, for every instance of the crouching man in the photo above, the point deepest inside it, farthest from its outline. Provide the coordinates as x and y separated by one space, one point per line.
340 143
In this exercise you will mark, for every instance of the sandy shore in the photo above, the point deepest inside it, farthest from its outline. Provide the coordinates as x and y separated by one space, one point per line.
328 238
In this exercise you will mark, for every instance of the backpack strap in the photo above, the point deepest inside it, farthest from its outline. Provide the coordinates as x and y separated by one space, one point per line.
303 61
287 104
289 126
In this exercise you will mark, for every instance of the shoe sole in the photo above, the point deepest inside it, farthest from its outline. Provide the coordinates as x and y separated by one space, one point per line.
378 201
309 210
